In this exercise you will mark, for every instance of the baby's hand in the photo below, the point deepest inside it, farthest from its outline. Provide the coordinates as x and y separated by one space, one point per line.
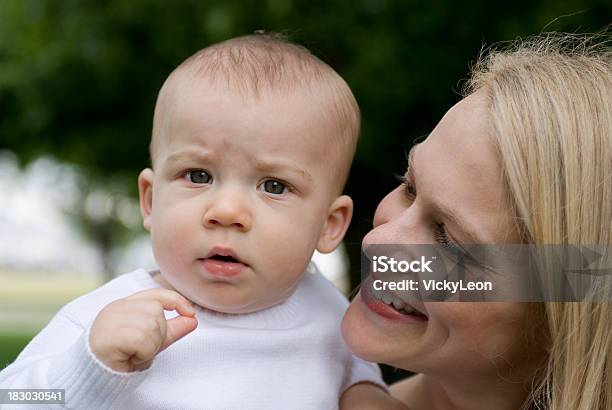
128 333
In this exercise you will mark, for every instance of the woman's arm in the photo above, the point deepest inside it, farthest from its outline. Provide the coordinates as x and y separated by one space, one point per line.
367 396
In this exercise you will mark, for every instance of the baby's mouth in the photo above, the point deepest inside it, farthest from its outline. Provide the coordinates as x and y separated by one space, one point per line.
223 262
224 258
223 254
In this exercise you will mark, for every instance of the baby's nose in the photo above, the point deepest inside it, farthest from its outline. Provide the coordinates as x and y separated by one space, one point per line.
228 212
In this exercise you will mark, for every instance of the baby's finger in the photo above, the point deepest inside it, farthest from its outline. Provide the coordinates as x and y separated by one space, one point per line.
178 327
169 299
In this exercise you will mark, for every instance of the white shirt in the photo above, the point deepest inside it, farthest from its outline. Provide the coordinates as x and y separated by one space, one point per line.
289 356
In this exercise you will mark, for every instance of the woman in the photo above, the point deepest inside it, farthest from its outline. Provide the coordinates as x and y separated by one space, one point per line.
526 157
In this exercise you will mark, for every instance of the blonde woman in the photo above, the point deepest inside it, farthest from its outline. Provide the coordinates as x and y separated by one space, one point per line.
526 157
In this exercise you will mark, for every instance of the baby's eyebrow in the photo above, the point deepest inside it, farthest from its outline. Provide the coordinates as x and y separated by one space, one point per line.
190 155
280 165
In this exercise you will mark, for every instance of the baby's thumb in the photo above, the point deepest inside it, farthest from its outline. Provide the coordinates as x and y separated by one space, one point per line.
178 327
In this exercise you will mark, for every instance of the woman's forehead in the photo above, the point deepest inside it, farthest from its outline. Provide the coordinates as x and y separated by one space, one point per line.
458 168
462 142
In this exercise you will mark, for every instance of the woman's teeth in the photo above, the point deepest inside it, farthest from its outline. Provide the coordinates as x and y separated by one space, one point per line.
398 304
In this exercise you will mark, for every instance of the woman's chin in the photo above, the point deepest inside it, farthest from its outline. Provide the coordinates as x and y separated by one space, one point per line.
378 340
362 338
356 334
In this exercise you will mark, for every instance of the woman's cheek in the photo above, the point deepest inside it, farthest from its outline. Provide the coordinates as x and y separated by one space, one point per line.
486 331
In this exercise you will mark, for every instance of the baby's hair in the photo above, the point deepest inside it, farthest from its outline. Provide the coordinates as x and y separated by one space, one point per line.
256 65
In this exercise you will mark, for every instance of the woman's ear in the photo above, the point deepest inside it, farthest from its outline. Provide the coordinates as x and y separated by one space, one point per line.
145 193
336 224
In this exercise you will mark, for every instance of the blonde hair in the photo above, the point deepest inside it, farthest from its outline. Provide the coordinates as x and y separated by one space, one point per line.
257 64
550 111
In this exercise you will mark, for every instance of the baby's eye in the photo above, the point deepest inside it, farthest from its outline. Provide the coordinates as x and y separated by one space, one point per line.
198 176
273 186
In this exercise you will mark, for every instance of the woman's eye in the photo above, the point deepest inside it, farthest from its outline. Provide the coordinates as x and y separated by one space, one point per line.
272 186
198 176
409 190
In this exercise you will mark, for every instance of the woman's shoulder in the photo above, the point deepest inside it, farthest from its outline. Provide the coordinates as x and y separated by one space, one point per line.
365 396
406 390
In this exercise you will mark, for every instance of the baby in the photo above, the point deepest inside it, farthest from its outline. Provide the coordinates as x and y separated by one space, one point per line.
251 146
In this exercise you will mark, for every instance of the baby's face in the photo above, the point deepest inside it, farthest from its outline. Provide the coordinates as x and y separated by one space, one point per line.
240 196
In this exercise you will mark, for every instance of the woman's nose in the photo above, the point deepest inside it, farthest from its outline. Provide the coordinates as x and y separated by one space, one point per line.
389 207
228 210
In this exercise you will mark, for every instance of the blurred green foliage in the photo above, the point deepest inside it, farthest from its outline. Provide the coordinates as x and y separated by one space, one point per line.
10 346
78 79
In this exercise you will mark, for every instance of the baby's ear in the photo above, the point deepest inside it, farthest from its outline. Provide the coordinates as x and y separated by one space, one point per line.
336 224
145 193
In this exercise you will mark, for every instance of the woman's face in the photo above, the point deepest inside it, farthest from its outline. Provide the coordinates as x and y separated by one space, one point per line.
455 171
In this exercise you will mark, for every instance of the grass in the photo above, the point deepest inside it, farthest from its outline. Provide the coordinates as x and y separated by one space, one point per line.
28 300
11 345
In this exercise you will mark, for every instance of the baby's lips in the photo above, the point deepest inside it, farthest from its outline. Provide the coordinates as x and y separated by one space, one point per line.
224 251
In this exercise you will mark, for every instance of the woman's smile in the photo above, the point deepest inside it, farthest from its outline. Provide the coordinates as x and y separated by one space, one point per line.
389 305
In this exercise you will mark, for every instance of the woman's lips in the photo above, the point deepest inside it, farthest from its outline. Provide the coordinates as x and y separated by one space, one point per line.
222 268
386 311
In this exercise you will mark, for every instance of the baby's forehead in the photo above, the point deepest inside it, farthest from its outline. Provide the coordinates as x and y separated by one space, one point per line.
310 109
274 120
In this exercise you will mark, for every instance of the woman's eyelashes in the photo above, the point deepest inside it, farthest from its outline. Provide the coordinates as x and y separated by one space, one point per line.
446 242
409 189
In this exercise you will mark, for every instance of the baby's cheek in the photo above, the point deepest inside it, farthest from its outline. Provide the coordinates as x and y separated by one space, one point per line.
171 238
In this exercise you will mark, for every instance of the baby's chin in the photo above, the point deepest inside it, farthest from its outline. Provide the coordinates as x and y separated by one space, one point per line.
235 309
228 299
234 304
